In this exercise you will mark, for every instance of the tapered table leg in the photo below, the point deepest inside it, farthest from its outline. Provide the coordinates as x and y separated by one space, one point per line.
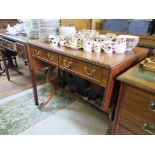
50 79
108 94
34 85
33 75
5 65
62 78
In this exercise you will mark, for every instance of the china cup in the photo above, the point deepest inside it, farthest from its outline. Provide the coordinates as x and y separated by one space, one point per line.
52 37
101 38
97 47
88 46
53 40
62 40
108 46
110 37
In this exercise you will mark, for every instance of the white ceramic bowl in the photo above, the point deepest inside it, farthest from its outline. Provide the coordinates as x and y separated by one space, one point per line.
131 41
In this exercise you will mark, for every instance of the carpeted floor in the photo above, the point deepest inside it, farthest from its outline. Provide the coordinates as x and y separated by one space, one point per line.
18 113
65 115
18 82
77 118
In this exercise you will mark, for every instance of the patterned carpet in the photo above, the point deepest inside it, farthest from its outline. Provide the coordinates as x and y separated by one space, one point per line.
18 113
17 109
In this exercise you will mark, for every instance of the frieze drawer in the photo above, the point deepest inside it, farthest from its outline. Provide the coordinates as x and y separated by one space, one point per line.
21 51
9 44
45 55
88 71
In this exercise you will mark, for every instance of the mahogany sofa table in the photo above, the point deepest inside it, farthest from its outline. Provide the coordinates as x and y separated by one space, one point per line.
100 69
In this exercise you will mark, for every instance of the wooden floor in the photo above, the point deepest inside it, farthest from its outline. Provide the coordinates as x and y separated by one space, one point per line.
18 82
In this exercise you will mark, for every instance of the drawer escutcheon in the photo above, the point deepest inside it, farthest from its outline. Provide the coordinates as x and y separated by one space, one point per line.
37 52
149 127
69 64
50 57
152 106
89 73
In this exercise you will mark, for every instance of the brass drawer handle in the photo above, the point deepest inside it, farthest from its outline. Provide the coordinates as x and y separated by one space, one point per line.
89 73
152 106
37 52
69 64
50 57
149 127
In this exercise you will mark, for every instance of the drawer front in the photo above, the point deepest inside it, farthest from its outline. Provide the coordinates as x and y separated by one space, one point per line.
69 64
9 45
123 131
136 124
45 55
88 71
91 71
21 51
139 102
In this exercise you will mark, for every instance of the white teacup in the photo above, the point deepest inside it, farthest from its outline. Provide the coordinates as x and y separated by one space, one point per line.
108 46
62 40
51 36
53 40
97 47
88 46
101 38
110 36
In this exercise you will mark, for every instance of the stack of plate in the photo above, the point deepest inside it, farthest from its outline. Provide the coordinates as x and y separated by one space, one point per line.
33 31
48 27
27 25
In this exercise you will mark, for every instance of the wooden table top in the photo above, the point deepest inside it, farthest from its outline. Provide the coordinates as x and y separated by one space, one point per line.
134 77
104 60
108 61
18 38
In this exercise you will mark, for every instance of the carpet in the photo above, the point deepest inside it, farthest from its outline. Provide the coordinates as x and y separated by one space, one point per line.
78 118
18 112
